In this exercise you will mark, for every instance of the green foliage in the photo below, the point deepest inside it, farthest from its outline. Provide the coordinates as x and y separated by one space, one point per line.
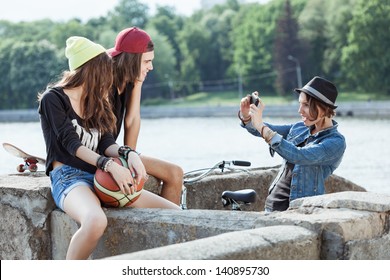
337 37
192 38
27 31
345 41
5 65
128 13
31 66
286 45
252 38
166 23
366 58
158 81
74 27
324 26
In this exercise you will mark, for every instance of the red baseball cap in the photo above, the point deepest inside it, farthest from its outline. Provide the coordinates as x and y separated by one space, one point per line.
130 40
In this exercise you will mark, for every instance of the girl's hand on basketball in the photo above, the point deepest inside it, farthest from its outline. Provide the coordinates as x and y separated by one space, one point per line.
136 167
123 178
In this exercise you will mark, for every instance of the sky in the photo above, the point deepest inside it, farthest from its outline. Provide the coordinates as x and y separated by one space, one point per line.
62 10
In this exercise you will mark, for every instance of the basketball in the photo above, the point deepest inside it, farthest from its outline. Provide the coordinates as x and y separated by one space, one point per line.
109 192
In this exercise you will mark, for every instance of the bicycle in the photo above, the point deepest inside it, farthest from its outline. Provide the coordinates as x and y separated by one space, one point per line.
234 198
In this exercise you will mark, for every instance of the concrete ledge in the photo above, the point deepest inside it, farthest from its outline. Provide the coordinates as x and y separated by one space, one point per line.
371 249
132 230
336 227
135 230
206 194
352 200
344 224
25 206
270 243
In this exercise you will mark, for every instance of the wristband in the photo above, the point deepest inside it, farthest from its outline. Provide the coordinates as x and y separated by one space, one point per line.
243 120
124 151
102 162
262 130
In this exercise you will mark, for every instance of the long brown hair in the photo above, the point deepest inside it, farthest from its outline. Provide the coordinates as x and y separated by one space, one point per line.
127 67
95 77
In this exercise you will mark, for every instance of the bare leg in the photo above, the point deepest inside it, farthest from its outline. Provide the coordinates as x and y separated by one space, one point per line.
170 174
148 199
83 206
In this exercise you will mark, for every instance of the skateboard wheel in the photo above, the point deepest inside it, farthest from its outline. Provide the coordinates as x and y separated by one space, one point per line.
33 167
20 168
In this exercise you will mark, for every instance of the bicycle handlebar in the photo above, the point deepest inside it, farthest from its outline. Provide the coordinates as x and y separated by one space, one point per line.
241 163
220 165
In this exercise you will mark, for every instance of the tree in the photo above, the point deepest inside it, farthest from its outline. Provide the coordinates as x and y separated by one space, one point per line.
314 30
27 31
337 18
128 13
74 27
167 23
252 36
32 66
5 82
193 42
219 21
160 81
286 45
324 27
366 59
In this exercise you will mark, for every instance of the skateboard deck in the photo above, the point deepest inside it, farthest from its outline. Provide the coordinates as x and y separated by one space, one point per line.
30 161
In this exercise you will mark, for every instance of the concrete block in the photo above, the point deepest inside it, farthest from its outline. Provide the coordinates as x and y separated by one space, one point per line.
334 226
206 193
270 243
25 204
367 201
32 228
371 249
131 230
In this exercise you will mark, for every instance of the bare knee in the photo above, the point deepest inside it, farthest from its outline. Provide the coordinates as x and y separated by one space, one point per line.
176 173
179 173
95 224
175 177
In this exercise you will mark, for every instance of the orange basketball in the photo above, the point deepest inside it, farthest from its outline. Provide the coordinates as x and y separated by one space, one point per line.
109 192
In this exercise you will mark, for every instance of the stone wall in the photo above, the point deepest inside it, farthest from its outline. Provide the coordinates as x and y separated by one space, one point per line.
347 223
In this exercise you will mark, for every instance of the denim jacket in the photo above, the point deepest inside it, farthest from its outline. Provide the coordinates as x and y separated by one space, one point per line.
314 162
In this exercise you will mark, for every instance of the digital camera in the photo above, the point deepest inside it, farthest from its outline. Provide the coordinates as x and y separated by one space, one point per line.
254 99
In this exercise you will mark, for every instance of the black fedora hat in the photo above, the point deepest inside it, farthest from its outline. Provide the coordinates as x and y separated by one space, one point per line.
322 90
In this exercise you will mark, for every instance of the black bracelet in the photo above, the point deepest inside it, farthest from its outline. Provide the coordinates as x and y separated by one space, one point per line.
124 151
102 162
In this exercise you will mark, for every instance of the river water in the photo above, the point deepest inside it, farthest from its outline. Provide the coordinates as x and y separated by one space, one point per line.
195 143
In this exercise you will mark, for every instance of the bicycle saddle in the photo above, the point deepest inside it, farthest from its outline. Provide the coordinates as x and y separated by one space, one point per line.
245 196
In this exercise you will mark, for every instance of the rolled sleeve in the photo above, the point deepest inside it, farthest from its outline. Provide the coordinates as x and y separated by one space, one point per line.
250 128
275 141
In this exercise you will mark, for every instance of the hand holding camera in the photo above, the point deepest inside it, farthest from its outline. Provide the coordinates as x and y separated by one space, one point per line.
254 99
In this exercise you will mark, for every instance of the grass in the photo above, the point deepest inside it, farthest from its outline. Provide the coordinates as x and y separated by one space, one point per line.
232 98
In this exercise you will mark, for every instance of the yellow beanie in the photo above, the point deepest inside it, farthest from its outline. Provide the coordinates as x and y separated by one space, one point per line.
79 50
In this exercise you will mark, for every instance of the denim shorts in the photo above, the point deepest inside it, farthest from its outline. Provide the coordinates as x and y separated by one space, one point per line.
64 179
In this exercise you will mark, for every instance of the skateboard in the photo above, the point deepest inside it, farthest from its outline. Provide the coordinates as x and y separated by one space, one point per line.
30 161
